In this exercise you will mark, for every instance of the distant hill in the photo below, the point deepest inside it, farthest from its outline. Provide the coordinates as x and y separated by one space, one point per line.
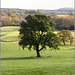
42 9
11 8
24 12
66 9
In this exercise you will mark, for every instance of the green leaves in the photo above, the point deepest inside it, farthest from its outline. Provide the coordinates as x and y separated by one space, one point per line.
65 35
37 32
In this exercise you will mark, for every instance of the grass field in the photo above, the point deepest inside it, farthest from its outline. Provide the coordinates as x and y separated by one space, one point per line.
9 28
24 62
9 33
62 15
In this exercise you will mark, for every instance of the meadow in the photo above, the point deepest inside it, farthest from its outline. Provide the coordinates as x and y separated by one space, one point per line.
16 61
62 15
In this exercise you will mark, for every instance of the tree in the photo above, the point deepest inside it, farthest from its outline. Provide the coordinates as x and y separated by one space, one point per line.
37 32
64 22
65 35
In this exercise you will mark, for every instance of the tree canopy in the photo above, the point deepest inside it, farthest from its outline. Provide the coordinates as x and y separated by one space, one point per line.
64 22
65 35
37 32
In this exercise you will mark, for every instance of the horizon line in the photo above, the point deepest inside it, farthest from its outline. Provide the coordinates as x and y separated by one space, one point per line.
36 8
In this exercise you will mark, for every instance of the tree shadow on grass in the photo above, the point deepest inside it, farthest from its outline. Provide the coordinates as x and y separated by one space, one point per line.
17 58
24 58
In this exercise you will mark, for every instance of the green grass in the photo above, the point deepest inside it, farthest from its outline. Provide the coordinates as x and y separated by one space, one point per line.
24 62
62 15
9 28
10 36
9 33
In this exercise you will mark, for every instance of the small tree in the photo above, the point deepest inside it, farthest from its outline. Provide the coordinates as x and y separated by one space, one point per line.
37 32
65 35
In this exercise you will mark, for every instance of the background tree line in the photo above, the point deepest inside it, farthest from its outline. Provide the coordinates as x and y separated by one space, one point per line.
64 22
15 16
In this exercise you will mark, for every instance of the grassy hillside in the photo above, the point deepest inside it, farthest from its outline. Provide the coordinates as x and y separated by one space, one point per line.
62 15
9 36
9 33
9 28
16 61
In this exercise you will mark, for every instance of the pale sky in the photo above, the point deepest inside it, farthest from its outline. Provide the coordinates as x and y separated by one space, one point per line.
37 4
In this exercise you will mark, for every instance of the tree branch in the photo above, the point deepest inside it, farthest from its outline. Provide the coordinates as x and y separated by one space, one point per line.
42 47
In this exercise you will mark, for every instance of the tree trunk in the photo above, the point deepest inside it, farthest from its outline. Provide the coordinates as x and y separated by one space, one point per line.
71 42
63 42
38 52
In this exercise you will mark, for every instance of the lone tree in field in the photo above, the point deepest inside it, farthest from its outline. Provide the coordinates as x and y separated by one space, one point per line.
37 32
65 36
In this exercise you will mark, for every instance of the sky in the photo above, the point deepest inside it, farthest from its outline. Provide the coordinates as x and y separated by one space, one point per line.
37 4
